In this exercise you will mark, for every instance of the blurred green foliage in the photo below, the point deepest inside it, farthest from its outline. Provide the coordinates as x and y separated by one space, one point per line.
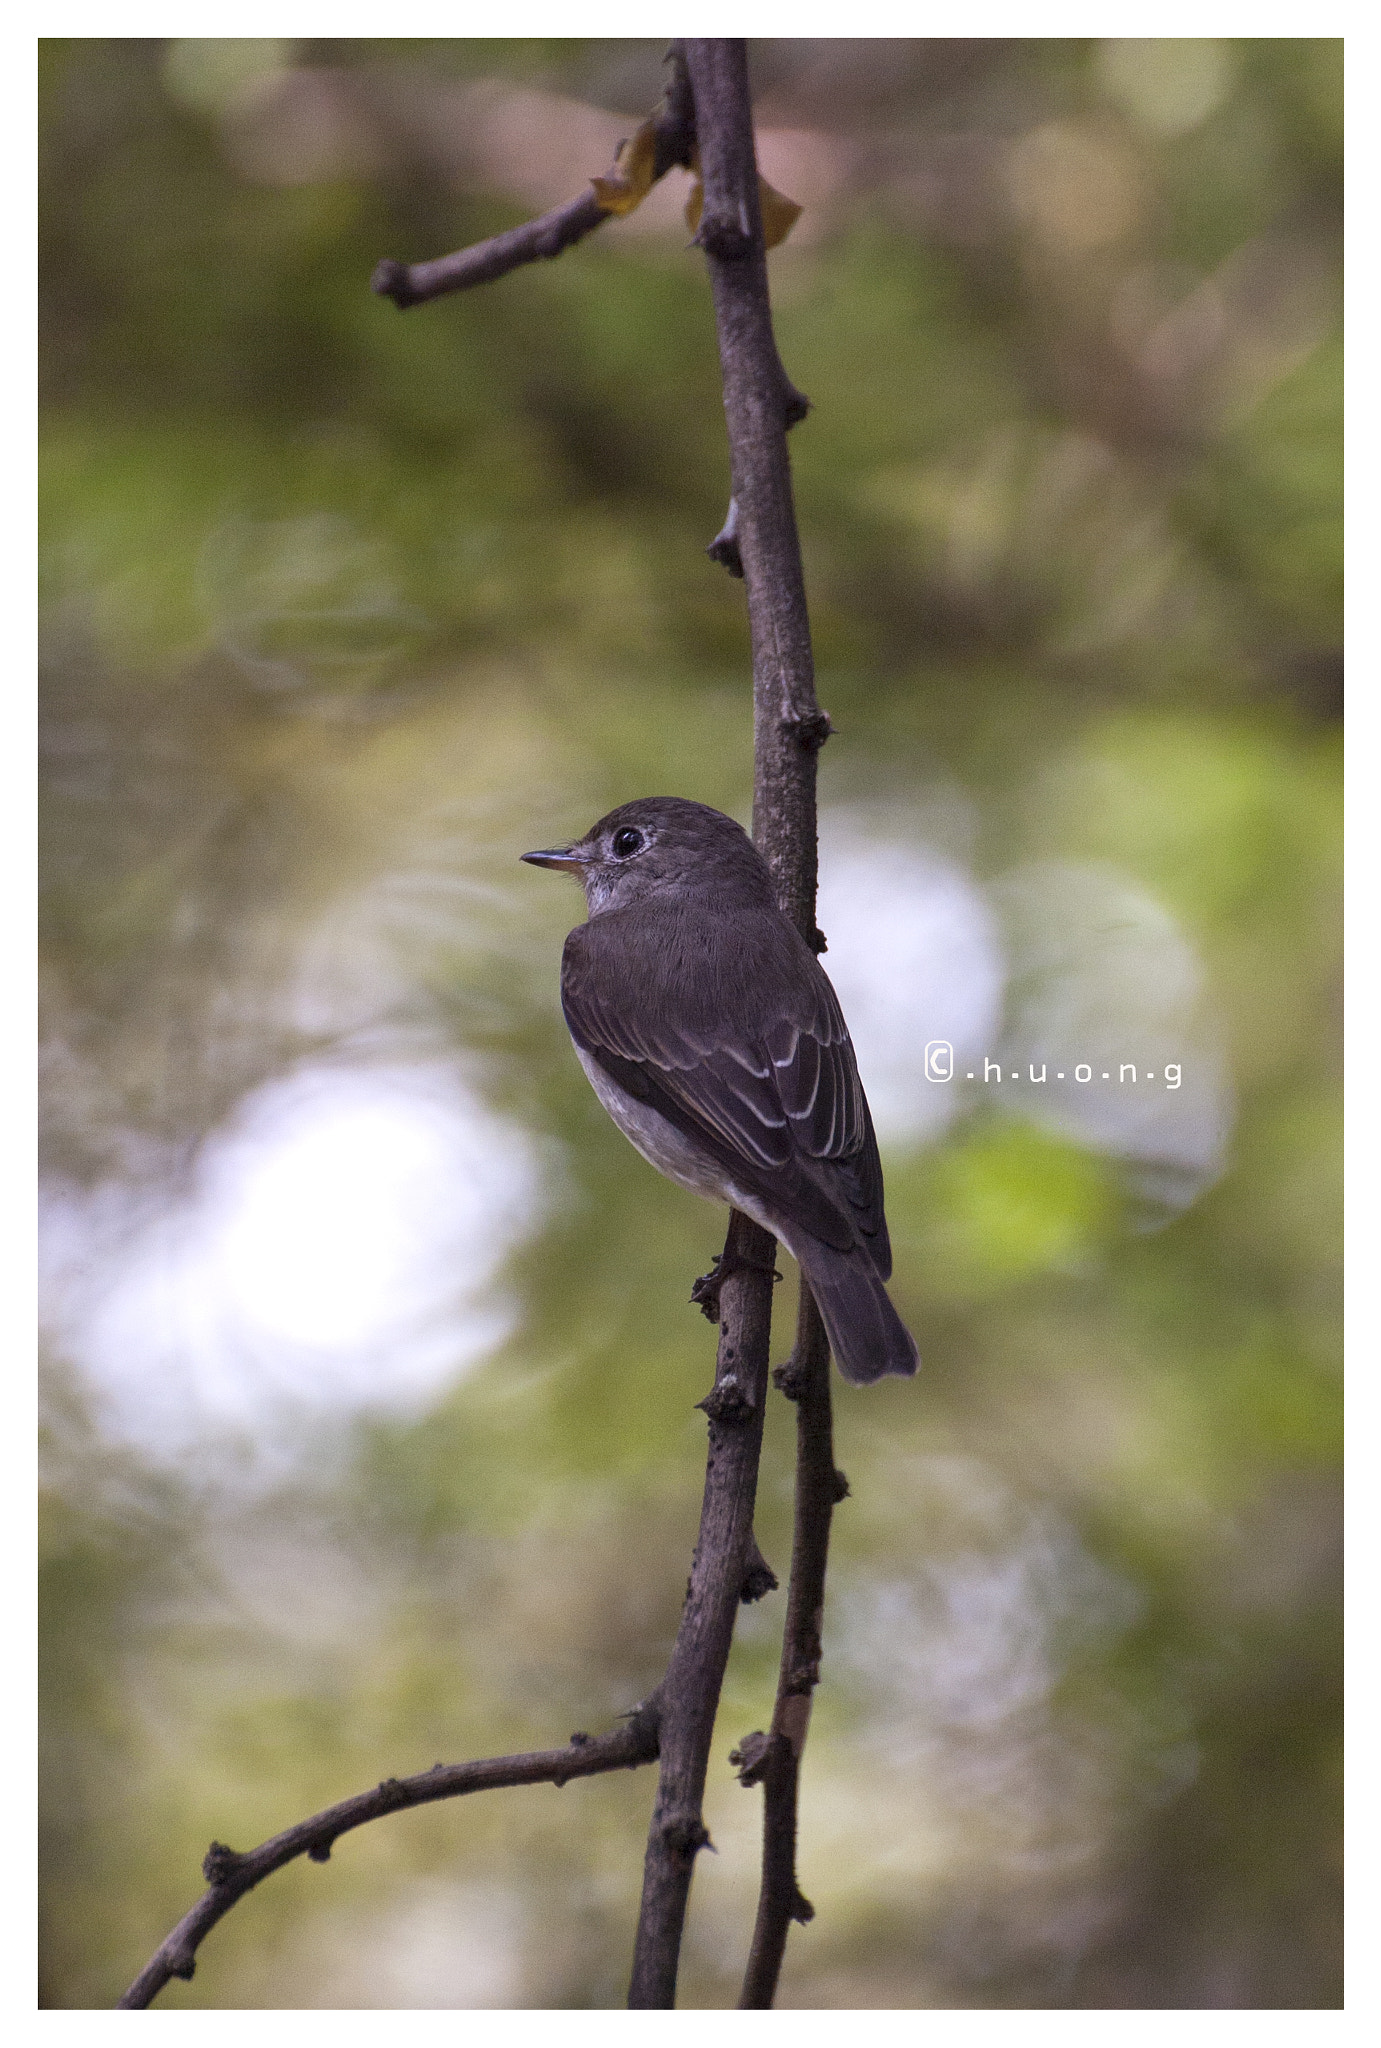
341 611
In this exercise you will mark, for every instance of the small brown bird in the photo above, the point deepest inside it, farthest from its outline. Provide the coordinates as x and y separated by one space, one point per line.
711 1034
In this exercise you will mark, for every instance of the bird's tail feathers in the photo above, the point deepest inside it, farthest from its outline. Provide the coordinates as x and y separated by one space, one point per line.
867 1336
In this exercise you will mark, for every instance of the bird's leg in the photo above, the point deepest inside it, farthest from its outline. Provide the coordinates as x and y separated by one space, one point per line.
705 1291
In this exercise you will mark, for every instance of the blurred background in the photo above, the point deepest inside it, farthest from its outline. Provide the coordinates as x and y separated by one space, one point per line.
369 1366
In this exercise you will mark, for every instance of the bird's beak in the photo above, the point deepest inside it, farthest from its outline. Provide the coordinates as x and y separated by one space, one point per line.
569 860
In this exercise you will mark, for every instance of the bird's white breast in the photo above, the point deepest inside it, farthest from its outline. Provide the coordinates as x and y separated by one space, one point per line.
664 1147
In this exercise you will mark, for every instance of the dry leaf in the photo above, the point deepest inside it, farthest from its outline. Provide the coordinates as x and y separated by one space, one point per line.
630 181
695 203
779 214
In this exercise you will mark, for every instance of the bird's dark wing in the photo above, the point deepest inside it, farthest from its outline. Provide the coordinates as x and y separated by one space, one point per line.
818 1086
736 1037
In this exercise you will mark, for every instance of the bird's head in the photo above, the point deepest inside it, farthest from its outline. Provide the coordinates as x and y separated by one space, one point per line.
658 844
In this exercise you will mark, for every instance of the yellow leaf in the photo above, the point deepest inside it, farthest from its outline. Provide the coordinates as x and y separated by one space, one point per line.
695 204
630 181
779 214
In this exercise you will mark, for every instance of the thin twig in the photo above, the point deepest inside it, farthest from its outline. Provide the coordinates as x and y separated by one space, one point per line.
230 1875
412 284
774 1760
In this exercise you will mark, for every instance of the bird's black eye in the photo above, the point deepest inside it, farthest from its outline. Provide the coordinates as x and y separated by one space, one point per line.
626 842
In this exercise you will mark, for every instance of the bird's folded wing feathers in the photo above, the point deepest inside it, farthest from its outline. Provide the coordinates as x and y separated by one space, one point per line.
769 1098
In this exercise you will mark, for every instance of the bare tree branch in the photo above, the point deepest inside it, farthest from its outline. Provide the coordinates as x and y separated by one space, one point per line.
412 284
721 1572
788 730
707 98
230 1875
760 403
774 1760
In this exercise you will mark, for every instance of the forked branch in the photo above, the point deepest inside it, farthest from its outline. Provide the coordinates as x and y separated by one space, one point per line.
707 104
760 405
